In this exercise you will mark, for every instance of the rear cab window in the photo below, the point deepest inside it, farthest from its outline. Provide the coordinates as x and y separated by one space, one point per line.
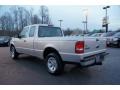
46 31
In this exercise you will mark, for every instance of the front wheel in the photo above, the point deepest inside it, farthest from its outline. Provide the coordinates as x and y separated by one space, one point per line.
54 64
14 54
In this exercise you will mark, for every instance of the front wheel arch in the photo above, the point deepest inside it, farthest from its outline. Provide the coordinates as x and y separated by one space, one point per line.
11 46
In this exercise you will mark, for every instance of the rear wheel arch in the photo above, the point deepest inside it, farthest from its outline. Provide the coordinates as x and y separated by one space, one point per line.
49 50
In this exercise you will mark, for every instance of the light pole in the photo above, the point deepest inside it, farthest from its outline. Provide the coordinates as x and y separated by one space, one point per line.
60 22
84 26
106 18
86 19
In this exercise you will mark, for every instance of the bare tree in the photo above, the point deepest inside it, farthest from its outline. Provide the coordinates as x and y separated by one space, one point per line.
36 19
44 15
14 10
26 18
68 32
20 11
6 21
18 16
31 15
2 21
9 21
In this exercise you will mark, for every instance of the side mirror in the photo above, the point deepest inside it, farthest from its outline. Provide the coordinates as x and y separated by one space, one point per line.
19 36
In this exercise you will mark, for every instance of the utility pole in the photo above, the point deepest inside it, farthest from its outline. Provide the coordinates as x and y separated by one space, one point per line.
60 22
84 27
86 23
106 18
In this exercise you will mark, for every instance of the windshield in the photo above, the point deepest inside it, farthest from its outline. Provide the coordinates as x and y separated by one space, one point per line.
96 35
103 35
2 37
109 34
117 34
45 31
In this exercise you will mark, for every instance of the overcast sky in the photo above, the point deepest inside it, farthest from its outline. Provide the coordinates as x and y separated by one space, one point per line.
73 16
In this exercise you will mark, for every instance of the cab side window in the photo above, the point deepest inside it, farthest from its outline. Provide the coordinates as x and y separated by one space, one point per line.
32 31
24 33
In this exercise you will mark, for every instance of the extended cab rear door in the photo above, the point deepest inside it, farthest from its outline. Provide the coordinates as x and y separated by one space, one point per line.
29 43
20 43
24 44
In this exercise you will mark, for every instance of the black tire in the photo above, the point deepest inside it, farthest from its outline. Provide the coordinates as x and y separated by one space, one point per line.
8 44
54 60
14 54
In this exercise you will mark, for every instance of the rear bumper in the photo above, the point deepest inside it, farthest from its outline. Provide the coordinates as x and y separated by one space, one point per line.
93 60
85 59
113 43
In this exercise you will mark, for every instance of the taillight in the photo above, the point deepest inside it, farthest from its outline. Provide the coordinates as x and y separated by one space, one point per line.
79 47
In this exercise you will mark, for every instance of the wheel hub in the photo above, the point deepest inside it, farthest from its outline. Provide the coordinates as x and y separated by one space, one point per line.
52 64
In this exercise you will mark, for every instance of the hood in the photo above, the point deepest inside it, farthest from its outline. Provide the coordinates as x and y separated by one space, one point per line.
2 39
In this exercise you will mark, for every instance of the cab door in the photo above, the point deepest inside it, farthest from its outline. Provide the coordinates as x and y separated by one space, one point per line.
30 40
20 42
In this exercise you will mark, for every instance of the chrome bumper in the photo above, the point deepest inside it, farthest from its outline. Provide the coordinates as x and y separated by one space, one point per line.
84 59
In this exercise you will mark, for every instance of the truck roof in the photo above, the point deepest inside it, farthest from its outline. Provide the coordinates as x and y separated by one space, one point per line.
39 25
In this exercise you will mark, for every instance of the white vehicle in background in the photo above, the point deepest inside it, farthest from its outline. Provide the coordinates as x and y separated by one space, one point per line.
96 35
114 40
49 44
109 37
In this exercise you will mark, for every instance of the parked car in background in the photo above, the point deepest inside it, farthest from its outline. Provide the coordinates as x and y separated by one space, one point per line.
86 35
108 34
115 40
5 40
108 37
96 34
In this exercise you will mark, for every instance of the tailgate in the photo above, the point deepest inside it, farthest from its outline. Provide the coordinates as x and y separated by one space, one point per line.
94 44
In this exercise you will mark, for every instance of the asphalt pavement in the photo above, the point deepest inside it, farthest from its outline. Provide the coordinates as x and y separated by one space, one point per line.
28 70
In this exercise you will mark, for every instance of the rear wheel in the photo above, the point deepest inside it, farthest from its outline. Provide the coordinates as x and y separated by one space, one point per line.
54 64
14 54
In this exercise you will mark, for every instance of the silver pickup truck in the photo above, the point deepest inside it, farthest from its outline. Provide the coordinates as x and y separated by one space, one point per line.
50 44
